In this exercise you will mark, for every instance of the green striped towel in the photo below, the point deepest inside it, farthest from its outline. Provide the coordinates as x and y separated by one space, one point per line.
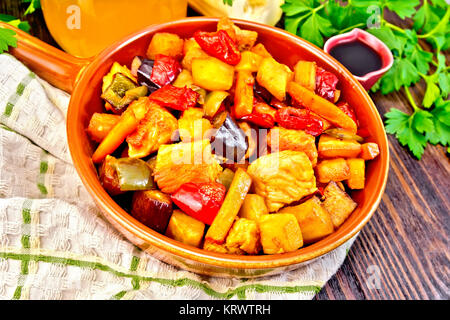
55 245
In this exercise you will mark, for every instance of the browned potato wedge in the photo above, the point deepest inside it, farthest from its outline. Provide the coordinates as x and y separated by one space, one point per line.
185 229
168 44
274 77
357 173
243 237
261 50
315 222
253 207
152 208
332 170
193 53
212 74
108 177
305 74
190 44
338 203
330 147
280 232
250 61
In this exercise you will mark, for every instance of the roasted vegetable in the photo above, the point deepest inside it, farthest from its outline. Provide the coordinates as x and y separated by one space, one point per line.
357 169
157 128
212 74
332 170
253 207
168 44
180 163
321 106
314 221
259 49
330 147
135 65
229 140
280 139
153 208
108 176
282 178
175 98
192 126
244 39
230 208
189 44
127 123
226 177
280 233
274 77
165 70
191 55
250 61
252 139
133 174
185 229
144 74
243 96
369 151
342 134
338 203
243 237
201 201
345 107
326 84
305 74
213 102
219 45
116 94
184 79
116 68
100 125
293 118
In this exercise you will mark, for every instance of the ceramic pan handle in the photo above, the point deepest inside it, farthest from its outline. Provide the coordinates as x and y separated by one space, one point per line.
53 65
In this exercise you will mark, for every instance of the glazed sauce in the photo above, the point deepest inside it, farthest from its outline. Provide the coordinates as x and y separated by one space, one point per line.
357 57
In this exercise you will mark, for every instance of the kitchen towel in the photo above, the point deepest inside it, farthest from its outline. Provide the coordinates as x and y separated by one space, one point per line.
54 244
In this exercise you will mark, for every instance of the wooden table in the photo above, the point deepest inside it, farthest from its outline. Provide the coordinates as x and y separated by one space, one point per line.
406 241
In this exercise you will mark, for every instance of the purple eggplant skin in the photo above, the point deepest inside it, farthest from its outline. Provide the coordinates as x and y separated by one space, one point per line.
153 208
144 74
230 141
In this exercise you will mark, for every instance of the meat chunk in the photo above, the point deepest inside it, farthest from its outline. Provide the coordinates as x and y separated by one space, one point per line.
154 130
297 140
283 177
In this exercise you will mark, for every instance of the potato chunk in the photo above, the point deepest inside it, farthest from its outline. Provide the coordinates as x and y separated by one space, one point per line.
185 229
332 170
282 178
315 222
181 163
192 126
330 147
297 140
274 77
338 203
168 44
250 61
191 54
212 74
357 173
280 232
253 207
243 237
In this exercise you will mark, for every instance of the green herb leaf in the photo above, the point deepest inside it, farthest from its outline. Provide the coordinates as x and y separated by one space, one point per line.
7 39
34 4
441 123
404 9
22 25
228 2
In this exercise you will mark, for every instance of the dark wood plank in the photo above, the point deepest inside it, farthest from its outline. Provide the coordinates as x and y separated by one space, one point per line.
406 240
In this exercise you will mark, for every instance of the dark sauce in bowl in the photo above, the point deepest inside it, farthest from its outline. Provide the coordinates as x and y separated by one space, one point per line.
357 57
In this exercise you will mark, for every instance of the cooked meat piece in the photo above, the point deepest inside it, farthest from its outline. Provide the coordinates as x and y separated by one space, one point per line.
154 130
280 139
282 178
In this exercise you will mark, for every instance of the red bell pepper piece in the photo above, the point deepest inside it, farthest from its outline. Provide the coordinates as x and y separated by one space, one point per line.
263 120
175 98
201 201
344 106
326 84
219 45
165 70
293 118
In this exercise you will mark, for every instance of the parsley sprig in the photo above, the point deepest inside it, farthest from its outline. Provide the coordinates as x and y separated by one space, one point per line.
429 119
8 37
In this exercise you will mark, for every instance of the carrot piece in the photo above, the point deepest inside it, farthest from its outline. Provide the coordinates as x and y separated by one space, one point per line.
357 173
234 198
369 151
321 106
243 97
127 123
